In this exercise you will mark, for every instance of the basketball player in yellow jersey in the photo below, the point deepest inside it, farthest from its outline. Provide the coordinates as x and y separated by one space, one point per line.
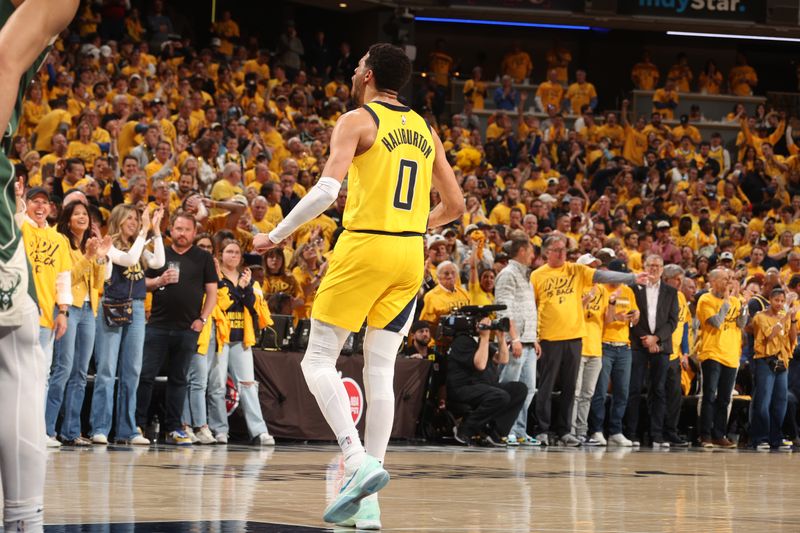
391 158
26 30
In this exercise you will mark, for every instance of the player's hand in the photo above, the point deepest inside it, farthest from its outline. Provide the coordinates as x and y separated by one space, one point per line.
60 326
643 278
262 243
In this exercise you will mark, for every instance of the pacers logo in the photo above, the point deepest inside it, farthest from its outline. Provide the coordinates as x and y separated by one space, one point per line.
356 398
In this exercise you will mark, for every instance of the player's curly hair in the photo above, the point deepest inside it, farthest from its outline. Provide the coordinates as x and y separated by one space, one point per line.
390 66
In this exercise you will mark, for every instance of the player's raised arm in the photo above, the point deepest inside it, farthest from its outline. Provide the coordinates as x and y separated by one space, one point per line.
444 180
345 140
23 37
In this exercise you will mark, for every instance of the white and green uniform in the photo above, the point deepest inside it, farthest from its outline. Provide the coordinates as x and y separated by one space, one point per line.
23 458
15 277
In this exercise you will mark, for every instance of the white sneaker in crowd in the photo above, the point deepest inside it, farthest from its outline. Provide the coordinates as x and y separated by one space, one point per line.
53 442
265 439
190 433
204 436
596 439
619 439
222 438
99 438
139 440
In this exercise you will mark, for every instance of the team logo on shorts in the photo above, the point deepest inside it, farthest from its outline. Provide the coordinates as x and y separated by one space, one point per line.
7 291
356 397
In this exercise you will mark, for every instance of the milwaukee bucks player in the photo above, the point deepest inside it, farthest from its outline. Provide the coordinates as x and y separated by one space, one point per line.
27 27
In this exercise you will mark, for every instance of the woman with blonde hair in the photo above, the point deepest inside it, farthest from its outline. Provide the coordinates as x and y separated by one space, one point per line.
120 347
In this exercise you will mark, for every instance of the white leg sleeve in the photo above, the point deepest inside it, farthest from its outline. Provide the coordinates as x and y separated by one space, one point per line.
380 352
23 457
325 342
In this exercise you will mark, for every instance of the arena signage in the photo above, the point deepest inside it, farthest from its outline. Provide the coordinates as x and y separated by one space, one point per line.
555 5
745 10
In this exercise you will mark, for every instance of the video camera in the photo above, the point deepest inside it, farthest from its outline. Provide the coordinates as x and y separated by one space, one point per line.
466 321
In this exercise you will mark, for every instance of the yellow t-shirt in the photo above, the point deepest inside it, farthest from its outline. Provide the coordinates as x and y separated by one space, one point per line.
48 253
154 166
594 311
88 152
48 125
558 300
738 78
477 296
579 95
274 214
517 65
476 92
501 213
439 302
723 345
551 94
663 96
635 146
617 331
645 76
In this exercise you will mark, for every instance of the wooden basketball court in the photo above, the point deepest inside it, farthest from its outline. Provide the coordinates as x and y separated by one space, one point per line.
433 488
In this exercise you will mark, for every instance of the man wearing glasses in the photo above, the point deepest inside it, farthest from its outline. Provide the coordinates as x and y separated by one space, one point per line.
558 287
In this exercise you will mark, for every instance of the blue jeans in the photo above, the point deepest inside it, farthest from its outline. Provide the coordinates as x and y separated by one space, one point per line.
194 409
237 360
718 382
617 369
770 397
522 369
46 341
118 350
68 378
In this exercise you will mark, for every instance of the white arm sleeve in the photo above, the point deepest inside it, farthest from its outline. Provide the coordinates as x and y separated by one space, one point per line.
317 200
64 288
129 258
157 258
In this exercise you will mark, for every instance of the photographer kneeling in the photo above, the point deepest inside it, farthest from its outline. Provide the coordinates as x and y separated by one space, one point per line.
473 379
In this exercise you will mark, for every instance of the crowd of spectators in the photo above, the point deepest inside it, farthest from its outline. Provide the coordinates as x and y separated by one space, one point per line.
123 140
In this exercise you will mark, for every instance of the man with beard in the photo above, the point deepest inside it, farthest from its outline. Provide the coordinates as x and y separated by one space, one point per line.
178 315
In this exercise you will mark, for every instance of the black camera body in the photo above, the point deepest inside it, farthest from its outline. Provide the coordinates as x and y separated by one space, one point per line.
466 321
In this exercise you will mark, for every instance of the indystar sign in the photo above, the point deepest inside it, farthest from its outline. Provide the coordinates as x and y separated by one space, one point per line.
751 10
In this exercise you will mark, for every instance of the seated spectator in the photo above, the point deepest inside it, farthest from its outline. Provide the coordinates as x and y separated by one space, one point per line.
419 341
445 297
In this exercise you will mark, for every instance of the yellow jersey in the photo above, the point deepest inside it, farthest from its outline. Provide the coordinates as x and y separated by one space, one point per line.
594 310
617 330
389 185
684 317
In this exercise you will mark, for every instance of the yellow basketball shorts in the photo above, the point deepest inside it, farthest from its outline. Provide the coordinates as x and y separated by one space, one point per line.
376 277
